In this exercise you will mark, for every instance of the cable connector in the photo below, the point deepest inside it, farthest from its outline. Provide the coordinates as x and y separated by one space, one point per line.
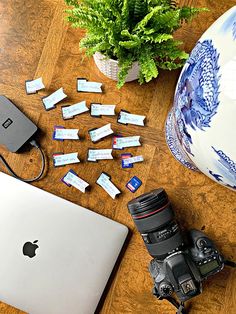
34 144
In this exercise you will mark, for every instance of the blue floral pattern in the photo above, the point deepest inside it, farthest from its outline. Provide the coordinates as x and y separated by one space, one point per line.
217 177
229 167
196 99
175 145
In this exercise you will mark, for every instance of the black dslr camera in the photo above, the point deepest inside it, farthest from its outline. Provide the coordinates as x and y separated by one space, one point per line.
178 266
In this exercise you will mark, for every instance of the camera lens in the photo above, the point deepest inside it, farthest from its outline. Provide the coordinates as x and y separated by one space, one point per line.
155 220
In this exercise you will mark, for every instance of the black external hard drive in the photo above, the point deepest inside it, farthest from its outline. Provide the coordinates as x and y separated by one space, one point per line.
15 128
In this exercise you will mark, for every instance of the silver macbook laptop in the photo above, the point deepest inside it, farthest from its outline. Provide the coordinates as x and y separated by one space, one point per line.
56 257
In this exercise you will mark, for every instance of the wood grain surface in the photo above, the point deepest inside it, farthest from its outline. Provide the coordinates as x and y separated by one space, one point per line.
36 41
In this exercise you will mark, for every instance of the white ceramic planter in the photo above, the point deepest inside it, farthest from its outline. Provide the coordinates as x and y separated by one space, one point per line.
201 127
110 68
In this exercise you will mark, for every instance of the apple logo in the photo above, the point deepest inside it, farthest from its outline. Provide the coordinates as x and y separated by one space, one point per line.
29 248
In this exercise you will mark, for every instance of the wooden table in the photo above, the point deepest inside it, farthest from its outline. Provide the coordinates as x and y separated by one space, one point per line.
36 41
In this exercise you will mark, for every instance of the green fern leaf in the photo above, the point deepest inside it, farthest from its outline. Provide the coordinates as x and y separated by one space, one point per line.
187 13
125 66
158 38
129 44
148 66
168 65
140 9
125 13
148 17
169 20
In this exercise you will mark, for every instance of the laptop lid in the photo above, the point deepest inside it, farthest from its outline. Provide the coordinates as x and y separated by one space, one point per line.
56 257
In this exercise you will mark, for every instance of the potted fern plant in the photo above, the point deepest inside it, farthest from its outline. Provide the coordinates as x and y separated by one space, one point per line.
131 39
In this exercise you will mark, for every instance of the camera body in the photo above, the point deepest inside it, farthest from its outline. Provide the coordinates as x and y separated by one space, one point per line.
179 265
183 271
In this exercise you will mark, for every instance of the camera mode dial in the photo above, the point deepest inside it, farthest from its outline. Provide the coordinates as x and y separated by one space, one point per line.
165 289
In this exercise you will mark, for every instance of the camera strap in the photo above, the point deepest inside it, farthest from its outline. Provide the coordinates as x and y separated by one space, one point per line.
230 263
181 309
180 306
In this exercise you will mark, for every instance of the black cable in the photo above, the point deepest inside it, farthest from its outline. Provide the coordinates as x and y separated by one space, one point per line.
230 263
34 144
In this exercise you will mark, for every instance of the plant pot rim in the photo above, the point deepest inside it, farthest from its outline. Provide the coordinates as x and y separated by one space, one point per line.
99 54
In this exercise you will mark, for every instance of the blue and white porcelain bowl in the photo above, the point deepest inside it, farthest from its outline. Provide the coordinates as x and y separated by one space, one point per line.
201 127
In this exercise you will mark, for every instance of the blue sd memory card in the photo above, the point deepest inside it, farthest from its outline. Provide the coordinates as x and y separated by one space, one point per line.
134 184
123 157
54 132
71 171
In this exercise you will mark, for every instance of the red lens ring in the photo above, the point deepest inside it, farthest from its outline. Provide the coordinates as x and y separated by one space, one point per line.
149 214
